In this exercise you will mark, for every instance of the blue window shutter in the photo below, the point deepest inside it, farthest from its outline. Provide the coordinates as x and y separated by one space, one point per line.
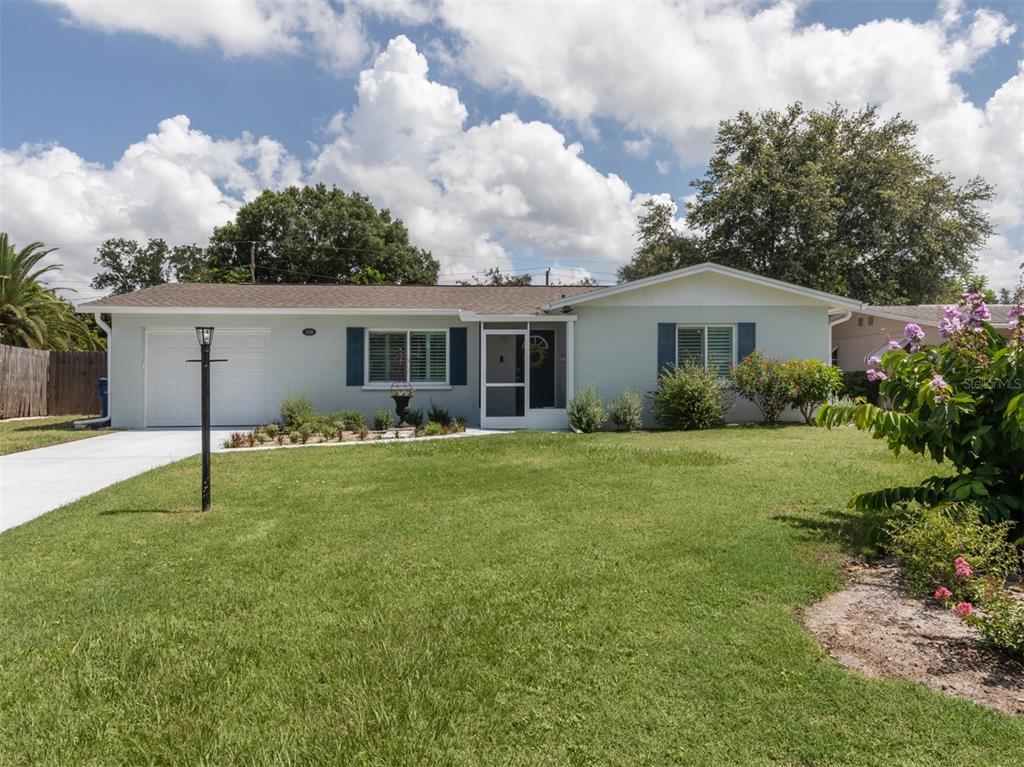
354 339
666 345
457 356
746 333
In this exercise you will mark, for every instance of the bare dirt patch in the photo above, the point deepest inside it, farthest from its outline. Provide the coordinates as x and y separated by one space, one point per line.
874 627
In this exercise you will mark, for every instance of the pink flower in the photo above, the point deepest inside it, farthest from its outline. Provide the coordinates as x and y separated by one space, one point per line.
963 609
877 375
963 570
942 593
894 344
913 332
938 382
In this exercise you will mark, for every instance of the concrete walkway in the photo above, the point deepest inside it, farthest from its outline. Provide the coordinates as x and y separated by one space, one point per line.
34 482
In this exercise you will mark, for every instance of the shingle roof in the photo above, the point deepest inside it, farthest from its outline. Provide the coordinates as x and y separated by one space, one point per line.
930 314
481 299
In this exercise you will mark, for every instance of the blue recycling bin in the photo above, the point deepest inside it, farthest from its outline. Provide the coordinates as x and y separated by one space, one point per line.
101 391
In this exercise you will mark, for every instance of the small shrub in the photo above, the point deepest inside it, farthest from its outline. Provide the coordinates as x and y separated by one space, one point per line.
354 420
433 429
280 437
1002 622
383 420
690 397
272 430
814 383
927 543
414 418
235 440
328 432
458 425
364 433
293 437
438 414
586 411
766 382
250 439
627 411
305 432
296 409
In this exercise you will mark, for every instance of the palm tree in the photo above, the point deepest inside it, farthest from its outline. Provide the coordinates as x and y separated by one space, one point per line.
32 314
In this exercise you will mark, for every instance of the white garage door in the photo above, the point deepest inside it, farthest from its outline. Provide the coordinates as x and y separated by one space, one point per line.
238 390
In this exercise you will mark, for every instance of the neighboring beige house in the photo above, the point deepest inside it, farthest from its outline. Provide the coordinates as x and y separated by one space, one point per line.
869 329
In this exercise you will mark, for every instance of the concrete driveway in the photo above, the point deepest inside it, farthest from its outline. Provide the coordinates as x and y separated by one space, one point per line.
34 482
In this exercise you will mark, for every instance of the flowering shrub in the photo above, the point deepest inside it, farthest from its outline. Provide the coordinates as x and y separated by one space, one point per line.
961 402
765 381
812 383
934 547
987 605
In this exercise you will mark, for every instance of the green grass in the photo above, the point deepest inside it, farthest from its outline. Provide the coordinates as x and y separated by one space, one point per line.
28 434
530 599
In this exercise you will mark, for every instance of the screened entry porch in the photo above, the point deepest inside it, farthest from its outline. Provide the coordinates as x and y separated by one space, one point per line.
525 372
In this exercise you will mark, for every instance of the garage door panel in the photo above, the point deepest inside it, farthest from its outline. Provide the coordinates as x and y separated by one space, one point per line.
239 386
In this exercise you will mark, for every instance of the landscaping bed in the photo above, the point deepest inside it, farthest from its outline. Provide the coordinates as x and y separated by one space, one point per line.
876 628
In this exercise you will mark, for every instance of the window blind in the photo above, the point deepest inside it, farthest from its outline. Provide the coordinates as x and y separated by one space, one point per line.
690 346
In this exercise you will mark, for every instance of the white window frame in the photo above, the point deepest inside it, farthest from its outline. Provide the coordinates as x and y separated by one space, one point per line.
420 385
705 327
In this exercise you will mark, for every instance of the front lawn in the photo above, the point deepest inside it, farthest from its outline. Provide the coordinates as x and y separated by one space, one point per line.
530 599
30 433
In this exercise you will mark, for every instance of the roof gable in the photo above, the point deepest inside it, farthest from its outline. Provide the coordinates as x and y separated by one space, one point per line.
707 284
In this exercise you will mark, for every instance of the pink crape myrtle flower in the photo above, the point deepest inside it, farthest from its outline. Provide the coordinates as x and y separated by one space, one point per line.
877 375
963 570
942 593
894 344
963 609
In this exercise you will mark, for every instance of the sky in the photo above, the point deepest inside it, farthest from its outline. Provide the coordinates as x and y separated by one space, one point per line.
520 135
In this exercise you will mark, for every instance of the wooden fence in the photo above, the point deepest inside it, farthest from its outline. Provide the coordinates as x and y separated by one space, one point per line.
36 382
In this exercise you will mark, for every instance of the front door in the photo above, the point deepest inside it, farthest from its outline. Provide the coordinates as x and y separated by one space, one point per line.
505 378
542 369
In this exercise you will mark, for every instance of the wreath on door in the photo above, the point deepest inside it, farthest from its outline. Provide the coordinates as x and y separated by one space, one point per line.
539 351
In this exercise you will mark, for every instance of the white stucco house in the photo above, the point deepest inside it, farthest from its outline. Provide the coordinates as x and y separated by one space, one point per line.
499 357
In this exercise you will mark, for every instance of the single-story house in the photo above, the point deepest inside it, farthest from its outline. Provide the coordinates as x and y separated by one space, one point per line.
499 357
868 330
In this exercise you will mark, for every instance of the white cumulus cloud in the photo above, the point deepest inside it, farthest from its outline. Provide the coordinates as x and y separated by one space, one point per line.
479 195
178 183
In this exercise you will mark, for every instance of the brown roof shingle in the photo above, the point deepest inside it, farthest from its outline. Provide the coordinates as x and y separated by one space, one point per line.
481 299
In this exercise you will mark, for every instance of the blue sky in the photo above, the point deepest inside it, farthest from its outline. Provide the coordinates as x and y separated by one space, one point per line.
91 85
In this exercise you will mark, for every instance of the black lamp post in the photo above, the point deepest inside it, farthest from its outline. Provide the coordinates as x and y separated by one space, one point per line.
205 336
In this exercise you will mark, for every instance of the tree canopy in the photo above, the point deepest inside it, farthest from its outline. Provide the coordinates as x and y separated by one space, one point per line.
32 314
494 276
125 265
317 234
661 247
839 201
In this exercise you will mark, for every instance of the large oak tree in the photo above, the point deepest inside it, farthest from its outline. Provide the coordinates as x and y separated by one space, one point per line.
319 234
834 200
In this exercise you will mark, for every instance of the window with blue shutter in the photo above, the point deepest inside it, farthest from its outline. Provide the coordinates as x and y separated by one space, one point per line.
407 356
708 346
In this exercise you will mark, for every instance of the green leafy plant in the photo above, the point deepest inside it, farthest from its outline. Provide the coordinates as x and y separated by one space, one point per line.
354 420
626 411
438 414
1002 619
294 437
458 425
961 403
383 420
813 383
296 409
857 386
433 429
304 432
586 411
363 433
765 381
926 543
280 437
414 418
271 430
690 397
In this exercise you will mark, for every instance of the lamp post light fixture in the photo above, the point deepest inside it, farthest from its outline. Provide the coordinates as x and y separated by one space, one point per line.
205 336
